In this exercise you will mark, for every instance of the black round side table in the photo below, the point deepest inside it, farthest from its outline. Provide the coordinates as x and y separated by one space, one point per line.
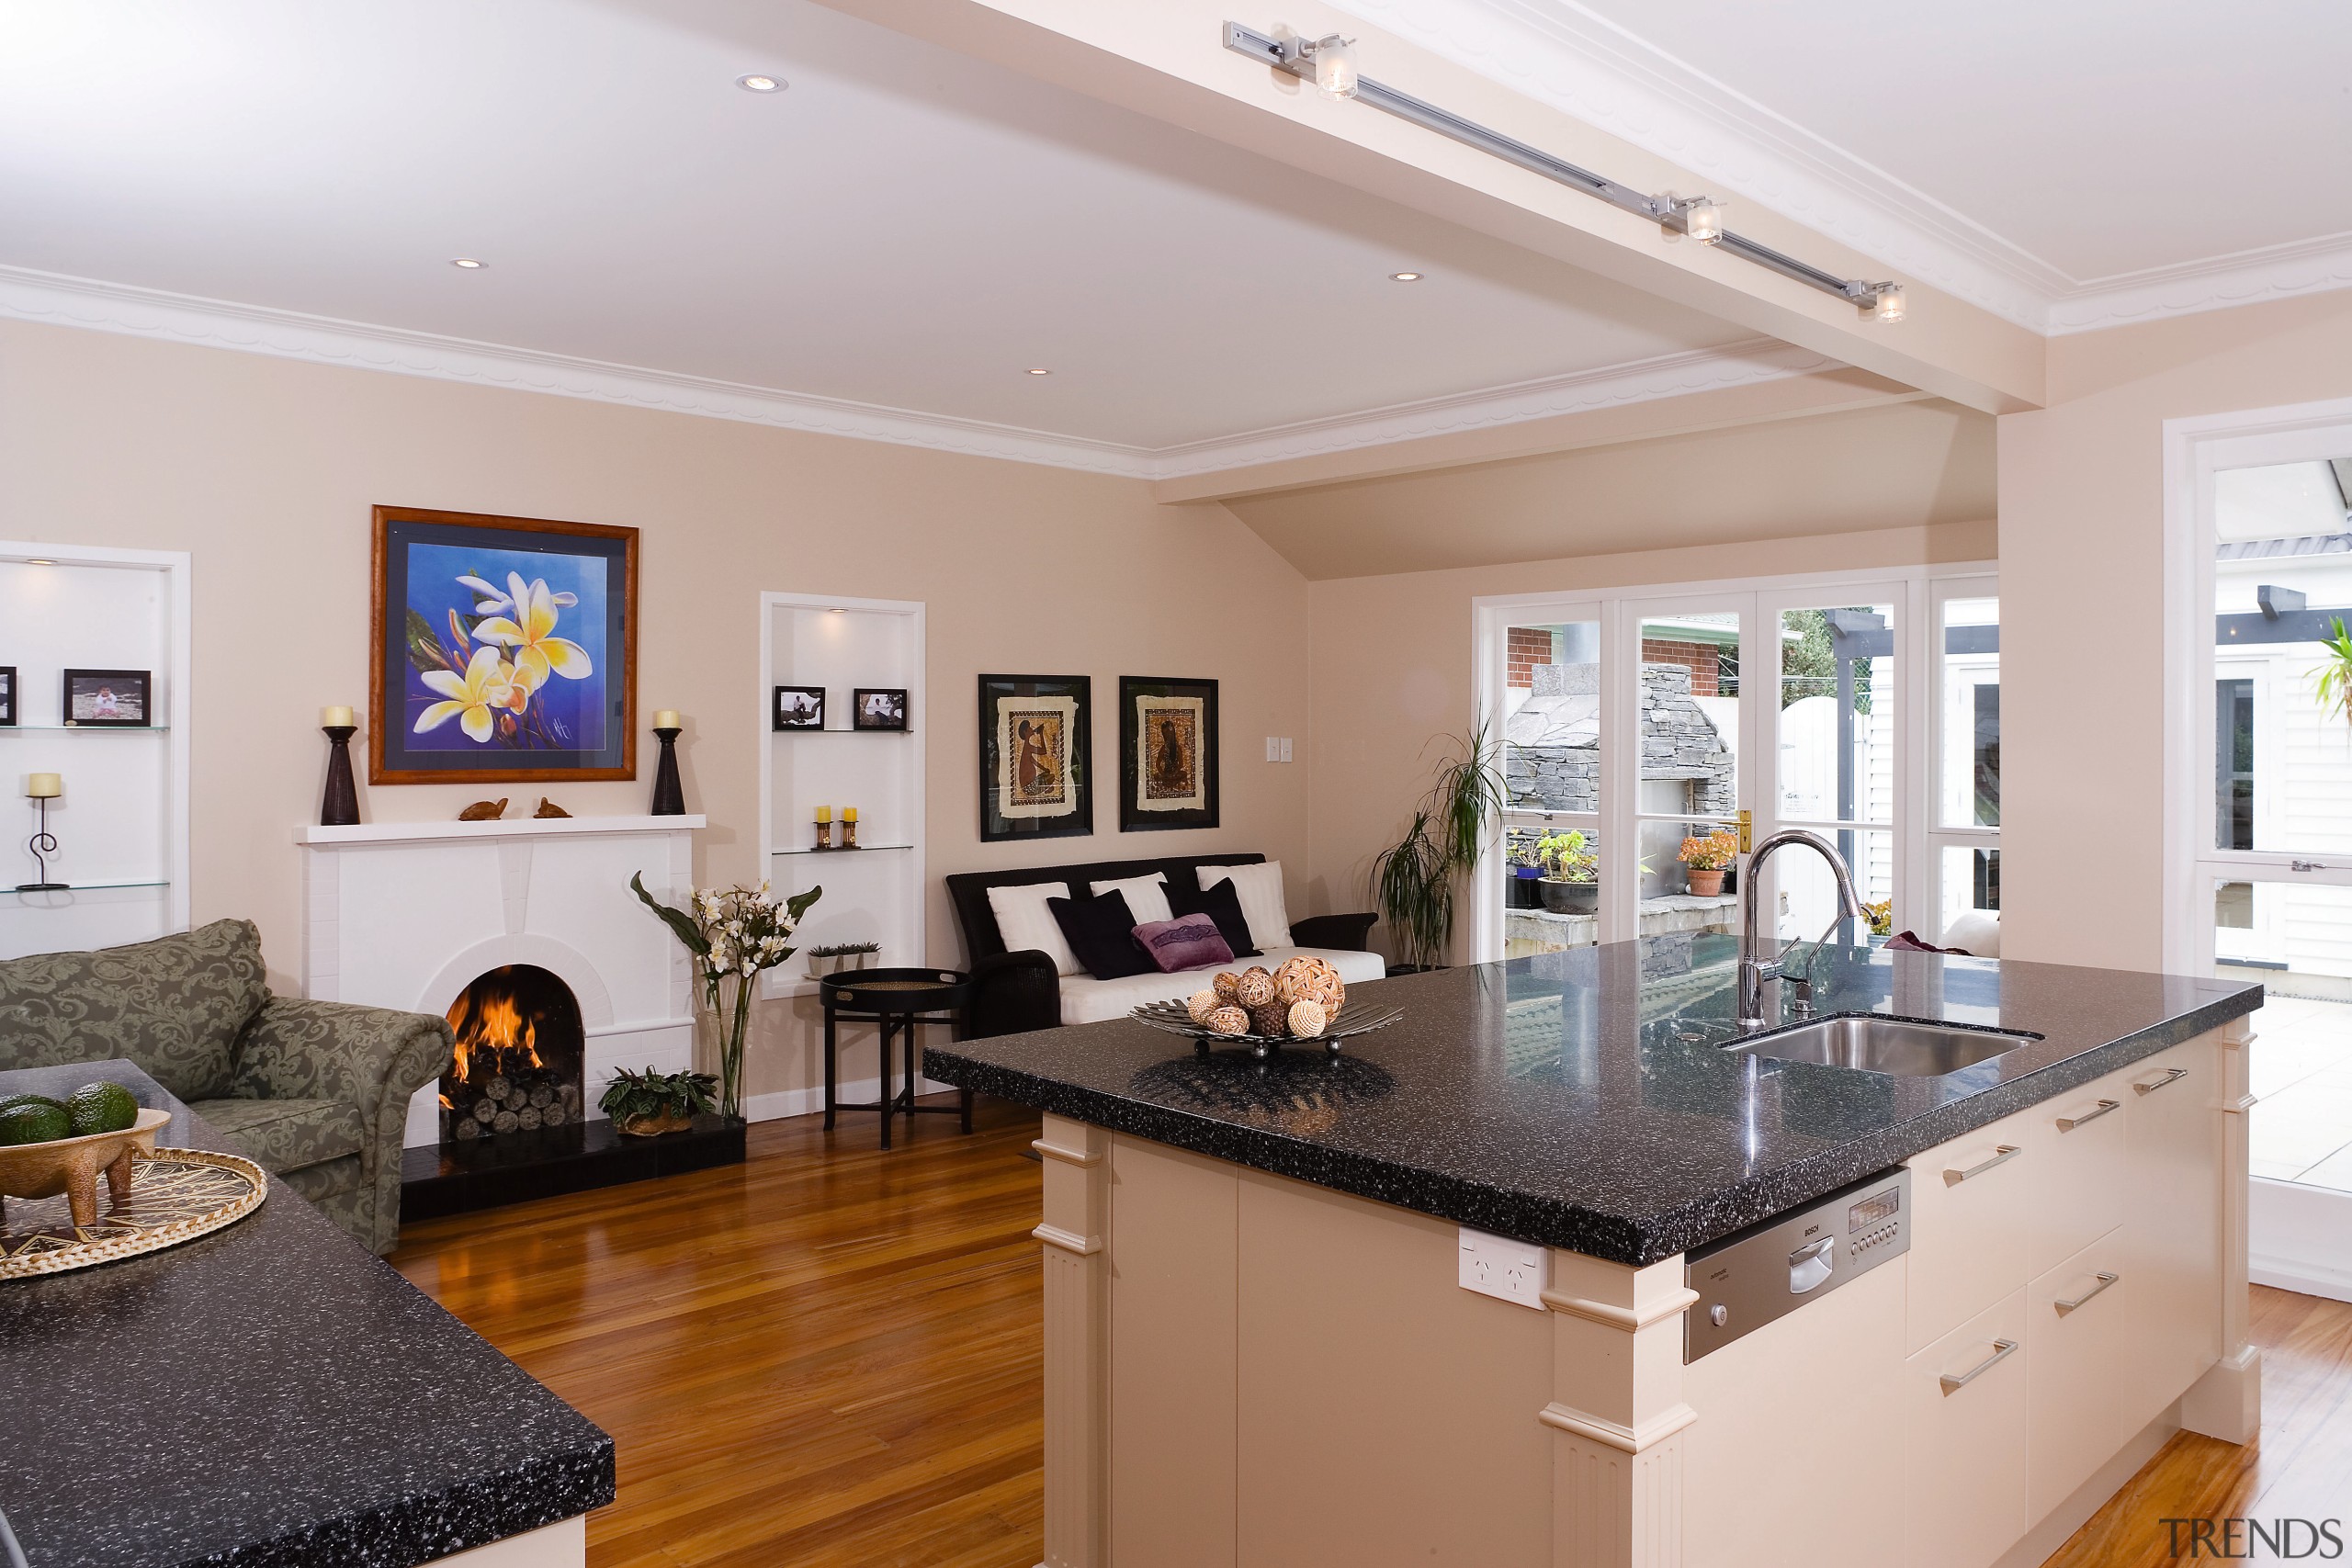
900 1000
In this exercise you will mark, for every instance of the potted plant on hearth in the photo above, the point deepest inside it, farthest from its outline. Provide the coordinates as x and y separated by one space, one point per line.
1708 859
648 1104
734 933
1571 880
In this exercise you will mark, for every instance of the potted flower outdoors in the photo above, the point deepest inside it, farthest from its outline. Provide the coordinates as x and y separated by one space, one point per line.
1708 859
1571 880
648 1104
733 934
1526 867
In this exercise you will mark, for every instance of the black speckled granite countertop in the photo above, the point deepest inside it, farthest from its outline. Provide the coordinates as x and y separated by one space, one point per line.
266 1396
1582 1099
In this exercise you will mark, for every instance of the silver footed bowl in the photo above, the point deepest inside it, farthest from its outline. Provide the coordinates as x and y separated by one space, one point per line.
1353 1019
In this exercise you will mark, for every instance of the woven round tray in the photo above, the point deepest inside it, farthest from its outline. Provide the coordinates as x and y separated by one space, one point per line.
177 1195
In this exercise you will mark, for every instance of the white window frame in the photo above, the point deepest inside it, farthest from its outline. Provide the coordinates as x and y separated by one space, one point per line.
1939 837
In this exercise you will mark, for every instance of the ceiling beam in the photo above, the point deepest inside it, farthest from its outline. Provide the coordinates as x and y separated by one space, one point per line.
1165 59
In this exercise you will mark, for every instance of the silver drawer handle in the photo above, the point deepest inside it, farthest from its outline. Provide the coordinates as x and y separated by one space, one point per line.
2172 1075
2002 1350
2068 1123
2002 1154
2104 1281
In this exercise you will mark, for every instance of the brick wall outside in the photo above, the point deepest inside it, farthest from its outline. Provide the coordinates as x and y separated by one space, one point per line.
1699 657
1528 646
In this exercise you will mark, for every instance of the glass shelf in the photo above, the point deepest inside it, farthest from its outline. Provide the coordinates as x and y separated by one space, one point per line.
829 731
84 886
86 728
861 849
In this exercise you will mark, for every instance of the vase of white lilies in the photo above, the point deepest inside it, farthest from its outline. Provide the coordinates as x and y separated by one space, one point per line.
734 933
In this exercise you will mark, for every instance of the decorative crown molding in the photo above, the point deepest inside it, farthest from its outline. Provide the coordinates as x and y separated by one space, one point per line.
1560 53
57 300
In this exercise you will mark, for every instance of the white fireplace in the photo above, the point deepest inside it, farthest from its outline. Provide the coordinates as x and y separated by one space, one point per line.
408 914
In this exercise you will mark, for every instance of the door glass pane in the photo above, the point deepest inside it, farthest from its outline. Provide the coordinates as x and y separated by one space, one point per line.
1557 907
2291 938
2282 594
1837 715
1552 716
1971 880
1807 893
1689 771
1677 896
1970 659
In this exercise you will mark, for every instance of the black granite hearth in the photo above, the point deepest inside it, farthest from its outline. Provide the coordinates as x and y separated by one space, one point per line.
483 1173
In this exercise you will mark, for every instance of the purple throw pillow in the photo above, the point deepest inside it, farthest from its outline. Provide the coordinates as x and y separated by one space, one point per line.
1189 941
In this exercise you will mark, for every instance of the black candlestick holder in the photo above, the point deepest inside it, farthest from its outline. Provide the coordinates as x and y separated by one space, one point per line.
669 794
42 845
341 806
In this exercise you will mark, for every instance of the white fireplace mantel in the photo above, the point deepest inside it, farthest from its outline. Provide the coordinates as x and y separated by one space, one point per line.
407 914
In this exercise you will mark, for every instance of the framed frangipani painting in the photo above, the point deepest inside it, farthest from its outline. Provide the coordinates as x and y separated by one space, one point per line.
503 649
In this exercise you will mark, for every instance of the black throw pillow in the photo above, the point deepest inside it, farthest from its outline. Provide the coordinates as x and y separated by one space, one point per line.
1221 904
1101 932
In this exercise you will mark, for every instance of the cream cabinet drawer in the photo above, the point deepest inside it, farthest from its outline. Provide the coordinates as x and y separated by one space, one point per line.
1965 1440
2077 1314
1971 1213
2076 1141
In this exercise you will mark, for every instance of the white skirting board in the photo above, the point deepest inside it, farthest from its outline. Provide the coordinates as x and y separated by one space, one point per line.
2299 1239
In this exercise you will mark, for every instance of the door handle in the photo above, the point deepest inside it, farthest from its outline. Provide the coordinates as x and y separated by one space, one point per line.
1809 1264
2002 1154
2068 1123
2002 1350
2172 1075
2104 1281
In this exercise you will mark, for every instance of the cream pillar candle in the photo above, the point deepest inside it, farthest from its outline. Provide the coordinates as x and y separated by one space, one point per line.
667 718
44 786
335 718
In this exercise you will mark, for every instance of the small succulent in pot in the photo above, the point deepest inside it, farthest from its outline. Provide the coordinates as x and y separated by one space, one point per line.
649 1103
838 957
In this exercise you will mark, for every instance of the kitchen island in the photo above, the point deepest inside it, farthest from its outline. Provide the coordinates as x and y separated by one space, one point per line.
272 1395
1260 1349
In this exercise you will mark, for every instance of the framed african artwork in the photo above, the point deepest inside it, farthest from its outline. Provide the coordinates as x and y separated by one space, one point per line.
1036 736
1168 754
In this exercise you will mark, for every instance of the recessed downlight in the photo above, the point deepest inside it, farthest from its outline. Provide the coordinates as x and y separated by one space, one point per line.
1039 370
758 83
39 561
1404 277
468 263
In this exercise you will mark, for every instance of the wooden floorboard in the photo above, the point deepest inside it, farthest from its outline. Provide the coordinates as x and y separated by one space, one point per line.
831 1355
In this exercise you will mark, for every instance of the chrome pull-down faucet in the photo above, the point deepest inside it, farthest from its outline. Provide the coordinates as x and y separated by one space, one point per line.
1753 972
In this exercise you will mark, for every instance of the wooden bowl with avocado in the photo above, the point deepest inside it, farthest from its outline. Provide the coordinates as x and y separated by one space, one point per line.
34 1164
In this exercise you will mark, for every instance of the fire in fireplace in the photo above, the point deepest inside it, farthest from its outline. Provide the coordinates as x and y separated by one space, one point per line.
519 1055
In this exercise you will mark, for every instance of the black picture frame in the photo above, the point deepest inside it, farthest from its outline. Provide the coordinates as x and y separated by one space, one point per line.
8 689
781 720
893 713
1167 780
112 699
1006 703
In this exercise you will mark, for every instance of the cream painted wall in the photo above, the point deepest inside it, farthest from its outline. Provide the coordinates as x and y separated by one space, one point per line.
2082 582
264 468
1392 670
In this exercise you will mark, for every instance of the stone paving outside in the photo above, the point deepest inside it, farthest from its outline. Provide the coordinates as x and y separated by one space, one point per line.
2300 1068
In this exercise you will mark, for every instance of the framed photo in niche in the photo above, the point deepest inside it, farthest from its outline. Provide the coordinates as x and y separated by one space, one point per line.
878 708
121 699
501 649
1168 754
1036 734
799 707
7 697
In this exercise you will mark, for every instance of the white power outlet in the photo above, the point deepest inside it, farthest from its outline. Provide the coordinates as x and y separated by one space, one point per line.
1506 1269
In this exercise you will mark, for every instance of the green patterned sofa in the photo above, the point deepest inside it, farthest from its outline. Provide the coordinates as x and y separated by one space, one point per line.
315 1092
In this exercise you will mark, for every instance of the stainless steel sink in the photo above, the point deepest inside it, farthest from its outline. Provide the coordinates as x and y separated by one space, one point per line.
1876 1044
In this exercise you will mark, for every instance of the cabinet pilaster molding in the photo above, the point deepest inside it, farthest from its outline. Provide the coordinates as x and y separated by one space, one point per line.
1617 1415
2226 1402
1078 1426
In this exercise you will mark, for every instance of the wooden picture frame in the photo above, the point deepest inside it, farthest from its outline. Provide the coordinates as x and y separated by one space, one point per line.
549 695
1169 757
1037 757
107 699
889 715
8 696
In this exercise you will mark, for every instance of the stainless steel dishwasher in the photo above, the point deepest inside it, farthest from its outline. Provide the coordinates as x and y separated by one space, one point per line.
1769 1270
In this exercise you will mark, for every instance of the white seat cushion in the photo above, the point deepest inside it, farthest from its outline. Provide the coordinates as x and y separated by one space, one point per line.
1024 922
1147 896
1975 931
1260 889
1086 999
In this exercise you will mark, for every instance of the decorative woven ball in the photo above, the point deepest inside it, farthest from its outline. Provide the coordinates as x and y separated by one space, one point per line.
1306 1019
1200 1004
1269 1020
1310 980
1228 1020
1227 985
1255 989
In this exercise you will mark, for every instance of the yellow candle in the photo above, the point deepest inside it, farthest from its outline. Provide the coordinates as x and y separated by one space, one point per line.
824 814
44 786
334 717
667 718
849 813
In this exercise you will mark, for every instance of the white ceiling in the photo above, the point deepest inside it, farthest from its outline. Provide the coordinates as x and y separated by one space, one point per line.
2071 164
902 227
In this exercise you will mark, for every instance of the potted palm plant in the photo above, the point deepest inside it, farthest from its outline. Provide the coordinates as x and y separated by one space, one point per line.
1708 859
1571 881
2332 681
1413 879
